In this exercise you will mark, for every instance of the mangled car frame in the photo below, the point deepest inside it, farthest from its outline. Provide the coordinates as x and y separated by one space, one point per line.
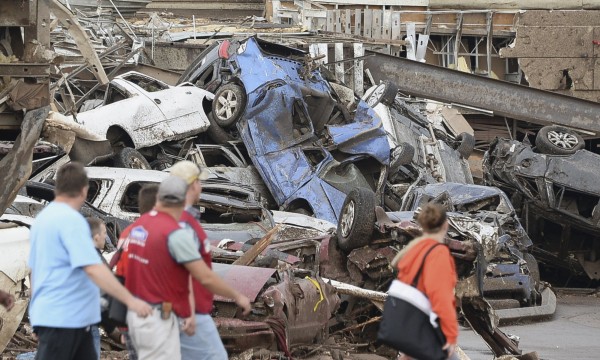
306 145
555 190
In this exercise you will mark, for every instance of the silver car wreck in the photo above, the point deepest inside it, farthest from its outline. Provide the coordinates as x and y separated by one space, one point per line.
489 244
557 195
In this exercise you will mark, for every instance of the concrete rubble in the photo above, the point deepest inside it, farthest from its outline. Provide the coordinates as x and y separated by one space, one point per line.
319 157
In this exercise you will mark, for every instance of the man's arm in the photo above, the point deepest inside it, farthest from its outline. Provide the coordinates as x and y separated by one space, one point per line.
215 284
189 324
101 276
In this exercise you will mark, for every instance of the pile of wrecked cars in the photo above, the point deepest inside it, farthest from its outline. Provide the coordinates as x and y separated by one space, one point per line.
312 192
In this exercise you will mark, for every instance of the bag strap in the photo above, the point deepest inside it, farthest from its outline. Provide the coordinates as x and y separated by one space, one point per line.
418 275
116 257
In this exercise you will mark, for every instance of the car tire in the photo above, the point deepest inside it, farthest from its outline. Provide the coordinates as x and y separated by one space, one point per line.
216 133
558 140
466 144
357 220
229 104
384 93
402 154
130 158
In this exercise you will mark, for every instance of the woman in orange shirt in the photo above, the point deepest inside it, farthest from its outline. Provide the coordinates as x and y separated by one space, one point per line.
438 277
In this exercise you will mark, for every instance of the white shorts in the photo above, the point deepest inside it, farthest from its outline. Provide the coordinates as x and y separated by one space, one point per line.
153 337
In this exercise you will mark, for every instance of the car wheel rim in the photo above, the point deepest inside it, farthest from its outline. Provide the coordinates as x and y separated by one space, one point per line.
563 140
347 219
374 98
137 164
226 105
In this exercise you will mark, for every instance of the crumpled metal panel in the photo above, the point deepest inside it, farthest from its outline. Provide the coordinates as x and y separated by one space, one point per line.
325 200
258 68
271 114
248 280
286 171
239 335
486 235
365 135
306 305
373 262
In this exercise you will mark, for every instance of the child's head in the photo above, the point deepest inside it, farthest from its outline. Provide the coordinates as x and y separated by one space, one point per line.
98 232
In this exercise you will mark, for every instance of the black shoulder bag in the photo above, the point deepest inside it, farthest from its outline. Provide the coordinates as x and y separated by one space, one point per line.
408 324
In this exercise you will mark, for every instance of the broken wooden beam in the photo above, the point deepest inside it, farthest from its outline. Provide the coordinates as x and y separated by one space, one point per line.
249 256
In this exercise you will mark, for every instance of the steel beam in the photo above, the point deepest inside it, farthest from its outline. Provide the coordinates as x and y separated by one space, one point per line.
25 70
501 97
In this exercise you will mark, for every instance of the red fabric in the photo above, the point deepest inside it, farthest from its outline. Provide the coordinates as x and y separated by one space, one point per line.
124 254
152 274
203 298
437 281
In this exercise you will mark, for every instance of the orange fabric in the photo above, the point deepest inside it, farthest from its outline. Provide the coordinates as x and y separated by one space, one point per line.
437 282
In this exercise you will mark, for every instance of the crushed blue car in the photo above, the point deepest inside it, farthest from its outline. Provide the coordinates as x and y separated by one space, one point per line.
310 149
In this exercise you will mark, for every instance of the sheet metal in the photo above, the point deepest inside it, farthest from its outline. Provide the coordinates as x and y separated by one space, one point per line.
248 280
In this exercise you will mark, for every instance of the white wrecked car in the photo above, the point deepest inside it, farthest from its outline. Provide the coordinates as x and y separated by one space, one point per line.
137 112
14 240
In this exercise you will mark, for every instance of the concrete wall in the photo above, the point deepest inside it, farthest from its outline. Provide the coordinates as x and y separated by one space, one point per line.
174 56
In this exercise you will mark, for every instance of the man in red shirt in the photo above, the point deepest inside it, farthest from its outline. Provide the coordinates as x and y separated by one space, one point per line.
205 343
146 201
162 256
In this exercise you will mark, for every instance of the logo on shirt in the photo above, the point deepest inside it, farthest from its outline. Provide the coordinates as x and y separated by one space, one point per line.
138 236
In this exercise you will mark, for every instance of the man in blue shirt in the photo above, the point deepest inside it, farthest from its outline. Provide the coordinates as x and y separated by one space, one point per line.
66 268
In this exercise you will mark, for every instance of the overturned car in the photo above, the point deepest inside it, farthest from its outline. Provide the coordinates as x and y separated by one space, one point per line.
309 147
554 188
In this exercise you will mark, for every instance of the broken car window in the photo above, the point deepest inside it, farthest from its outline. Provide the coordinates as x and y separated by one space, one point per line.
129 201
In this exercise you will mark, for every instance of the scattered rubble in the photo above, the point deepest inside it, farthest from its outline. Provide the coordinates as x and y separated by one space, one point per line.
314 184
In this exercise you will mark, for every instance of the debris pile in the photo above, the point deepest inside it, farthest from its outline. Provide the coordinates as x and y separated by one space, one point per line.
313 189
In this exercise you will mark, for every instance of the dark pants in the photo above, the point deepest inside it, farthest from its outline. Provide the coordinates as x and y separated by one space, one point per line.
65 344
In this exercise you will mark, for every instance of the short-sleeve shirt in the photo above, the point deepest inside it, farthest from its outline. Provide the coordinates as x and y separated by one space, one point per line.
63 296
183 246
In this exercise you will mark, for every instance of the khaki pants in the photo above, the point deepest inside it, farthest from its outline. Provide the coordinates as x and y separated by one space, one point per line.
153 337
